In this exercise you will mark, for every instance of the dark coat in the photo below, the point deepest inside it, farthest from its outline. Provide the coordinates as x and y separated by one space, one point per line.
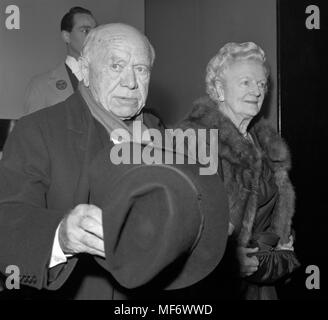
43 175
241 165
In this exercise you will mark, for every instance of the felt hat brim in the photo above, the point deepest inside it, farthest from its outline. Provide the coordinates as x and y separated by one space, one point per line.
164 224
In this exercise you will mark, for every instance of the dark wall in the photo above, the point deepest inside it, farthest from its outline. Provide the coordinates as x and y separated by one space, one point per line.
304 121
187 33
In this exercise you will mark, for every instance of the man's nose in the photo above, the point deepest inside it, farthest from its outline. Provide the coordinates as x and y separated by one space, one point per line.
129 79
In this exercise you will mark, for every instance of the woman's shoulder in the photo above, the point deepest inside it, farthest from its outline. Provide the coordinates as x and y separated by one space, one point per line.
202 114
272 143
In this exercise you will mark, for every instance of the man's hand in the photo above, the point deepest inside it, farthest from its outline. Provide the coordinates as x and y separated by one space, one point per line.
248 265
81 231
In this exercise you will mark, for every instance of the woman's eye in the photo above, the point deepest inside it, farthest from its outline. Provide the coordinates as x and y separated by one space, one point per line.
245 83
262 85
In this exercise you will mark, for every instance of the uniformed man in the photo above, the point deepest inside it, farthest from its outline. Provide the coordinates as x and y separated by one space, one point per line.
58 84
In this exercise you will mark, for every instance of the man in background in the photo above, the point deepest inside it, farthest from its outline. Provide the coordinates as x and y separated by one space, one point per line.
58 84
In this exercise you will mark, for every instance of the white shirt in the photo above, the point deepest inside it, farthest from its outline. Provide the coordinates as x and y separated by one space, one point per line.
73 64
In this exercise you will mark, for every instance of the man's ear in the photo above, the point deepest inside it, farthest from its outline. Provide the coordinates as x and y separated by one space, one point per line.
84 68
219 90
66 36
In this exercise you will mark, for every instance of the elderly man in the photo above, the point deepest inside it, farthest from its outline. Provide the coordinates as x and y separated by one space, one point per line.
57 85
47 224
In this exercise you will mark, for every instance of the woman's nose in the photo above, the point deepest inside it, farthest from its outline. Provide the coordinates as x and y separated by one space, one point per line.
255 89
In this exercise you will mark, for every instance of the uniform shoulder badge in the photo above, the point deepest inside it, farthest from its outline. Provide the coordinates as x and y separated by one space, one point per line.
61 84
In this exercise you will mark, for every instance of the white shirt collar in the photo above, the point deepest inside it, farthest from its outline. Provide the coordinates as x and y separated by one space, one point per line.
74 66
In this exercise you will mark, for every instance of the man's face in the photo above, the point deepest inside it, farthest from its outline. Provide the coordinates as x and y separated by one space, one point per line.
119 74
83 23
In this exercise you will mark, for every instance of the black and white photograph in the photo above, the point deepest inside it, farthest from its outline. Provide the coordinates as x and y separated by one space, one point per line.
163 155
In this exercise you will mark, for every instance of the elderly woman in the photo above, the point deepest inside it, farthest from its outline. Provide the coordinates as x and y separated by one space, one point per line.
253 161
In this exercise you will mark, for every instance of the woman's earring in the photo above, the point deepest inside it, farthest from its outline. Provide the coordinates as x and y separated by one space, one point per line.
219 90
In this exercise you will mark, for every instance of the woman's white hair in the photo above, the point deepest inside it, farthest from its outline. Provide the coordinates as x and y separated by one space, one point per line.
227 55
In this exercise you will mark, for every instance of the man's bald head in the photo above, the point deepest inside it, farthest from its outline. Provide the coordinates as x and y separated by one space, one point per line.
104 36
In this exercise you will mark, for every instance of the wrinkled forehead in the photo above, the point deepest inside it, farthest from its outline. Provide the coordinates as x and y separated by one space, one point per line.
128 41
133 45
246 65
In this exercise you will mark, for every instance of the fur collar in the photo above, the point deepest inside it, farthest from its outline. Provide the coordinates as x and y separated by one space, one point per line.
247 160
236 149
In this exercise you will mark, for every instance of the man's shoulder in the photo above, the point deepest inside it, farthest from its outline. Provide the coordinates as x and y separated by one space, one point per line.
48 89
57 113
44 77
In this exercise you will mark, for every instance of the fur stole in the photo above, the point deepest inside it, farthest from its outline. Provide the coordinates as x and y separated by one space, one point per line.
241 166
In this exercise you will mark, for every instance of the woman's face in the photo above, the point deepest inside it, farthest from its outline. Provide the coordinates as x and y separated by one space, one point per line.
243 88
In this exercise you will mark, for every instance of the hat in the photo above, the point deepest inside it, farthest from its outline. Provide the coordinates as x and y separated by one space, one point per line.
163 223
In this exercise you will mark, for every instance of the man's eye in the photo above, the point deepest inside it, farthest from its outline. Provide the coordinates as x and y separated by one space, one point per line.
245 83
142 70
116 67
86 31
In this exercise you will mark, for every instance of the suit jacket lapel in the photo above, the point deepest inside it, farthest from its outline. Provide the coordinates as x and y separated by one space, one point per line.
88 137
85 139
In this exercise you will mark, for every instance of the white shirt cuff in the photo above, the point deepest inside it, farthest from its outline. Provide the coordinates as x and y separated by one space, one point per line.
231 229
57 254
